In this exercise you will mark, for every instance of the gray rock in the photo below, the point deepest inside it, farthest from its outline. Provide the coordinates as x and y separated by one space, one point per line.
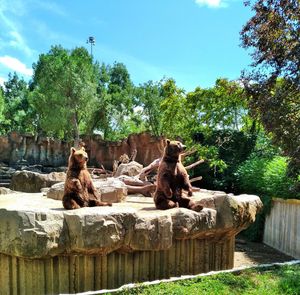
111 190
5 191
32 182
131 169
35 227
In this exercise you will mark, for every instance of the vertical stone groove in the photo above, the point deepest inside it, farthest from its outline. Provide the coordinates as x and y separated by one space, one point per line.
73 274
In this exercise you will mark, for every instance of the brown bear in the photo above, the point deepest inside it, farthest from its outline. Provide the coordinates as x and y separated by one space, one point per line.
172 178
79 189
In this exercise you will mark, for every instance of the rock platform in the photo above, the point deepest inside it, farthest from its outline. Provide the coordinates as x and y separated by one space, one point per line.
45 249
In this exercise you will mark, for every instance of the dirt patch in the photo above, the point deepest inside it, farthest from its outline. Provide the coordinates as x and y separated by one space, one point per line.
251 253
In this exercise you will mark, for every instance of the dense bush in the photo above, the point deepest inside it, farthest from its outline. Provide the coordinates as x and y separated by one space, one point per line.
267 178
232 148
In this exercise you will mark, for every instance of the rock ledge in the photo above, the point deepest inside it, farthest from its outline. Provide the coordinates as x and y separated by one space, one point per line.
34 226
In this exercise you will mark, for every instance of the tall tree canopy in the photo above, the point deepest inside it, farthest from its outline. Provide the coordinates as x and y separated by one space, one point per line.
150 98
222 106
114 103
1 108
18 113
273 85
65 84
173 107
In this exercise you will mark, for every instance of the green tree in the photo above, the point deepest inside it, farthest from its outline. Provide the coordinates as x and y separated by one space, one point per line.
273 85
18 112
2 107
150 98
113 114
219 116
174 117
65 84
220 107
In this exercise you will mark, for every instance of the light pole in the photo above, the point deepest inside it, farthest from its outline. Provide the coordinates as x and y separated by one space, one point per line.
92 41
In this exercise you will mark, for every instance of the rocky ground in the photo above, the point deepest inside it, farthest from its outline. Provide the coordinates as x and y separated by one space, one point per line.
250 253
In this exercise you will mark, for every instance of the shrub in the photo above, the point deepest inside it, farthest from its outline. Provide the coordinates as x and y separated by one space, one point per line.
268 178
250 175
275 179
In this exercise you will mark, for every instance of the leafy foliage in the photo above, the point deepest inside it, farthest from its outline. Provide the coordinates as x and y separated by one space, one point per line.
266 177
273 85
175 118
2 105
222 106
150 99
17 111
273 34
113 115
64 92
220 115
231 148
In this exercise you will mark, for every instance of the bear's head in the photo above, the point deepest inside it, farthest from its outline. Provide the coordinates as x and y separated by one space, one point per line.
173 149
78 158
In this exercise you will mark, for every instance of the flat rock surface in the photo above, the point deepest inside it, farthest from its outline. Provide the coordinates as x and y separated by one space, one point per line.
34 226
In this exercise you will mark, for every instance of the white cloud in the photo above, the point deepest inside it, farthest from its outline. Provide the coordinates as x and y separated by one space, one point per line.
18 42
49 6
15 65
212 3
14 39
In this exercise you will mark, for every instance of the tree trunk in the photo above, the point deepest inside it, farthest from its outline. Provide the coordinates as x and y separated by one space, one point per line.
76 130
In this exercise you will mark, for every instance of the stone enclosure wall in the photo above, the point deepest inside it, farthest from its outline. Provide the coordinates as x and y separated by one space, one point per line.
15 148
45 249
71 274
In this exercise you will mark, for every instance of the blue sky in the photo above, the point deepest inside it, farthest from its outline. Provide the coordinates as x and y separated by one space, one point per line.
193 41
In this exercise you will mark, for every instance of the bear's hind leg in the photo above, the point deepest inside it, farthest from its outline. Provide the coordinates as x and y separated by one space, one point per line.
162 203
189 204
94 203
166 204
70 203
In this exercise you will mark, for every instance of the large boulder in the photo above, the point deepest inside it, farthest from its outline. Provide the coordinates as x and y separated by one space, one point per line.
62 251
5 191
33 182
111 190
34 226
131 169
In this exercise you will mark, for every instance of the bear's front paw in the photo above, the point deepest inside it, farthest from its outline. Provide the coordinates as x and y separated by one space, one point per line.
197 207
169 194
76 183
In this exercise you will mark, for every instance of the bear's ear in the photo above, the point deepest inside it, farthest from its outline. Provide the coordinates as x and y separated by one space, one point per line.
73 150
168 141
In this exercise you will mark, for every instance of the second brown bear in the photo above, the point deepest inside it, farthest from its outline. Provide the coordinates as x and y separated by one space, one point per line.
172 178
79 189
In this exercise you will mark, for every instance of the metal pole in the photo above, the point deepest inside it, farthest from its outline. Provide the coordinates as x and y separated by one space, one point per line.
92 41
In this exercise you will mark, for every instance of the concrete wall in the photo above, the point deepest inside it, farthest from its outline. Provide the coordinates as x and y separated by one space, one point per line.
71 274
282 227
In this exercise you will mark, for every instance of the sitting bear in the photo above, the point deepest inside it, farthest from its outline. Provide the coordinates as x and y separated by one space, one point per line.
79 189
172 178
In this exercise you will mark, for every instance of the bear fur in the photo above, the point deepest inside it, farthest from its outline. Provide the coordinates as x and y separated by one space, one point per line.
172 178
79 190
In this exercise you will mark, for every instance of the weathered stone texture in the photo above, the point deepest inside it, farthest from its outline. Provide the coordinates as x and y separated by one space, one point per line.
33 182
16 148
131 169
105 247
111 189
